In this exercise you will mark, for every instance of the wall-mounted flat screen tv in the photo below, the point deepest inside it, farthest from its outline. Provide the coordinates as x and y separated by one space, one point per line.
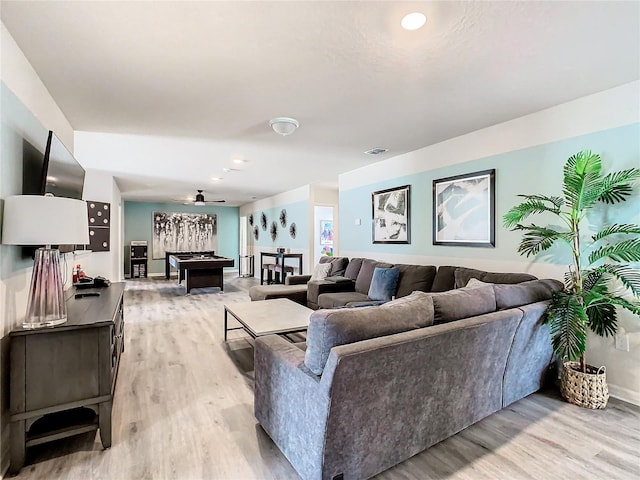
62 175
56 172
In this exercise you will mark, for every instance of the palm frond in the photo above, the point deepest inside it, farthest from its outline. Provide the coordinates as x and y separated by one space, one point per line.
632 306
629 277
594 280
624 251
537 239
618 185
601 311
582 180
567 320
532 205
615 229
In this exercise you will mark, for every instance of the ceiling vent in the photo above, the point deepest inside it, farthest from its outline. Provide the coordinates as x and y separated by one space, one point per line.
376 151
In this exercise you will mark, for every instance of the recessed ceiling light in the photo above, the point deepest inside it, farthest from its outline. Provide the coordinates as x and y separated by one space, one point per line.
413 21
216 179
239 161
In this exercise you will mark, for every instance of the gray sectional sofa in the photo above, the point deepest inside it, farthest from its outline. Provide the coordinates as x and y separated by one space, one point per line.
295 286
349 282
377 385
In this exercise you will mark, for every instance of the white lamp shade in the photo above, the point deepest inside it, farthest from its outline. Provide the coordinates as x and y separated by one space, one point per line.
38 220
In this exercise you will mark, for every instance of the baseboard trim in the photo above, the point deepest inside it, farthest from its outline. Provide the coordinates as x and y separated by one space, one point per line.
625 394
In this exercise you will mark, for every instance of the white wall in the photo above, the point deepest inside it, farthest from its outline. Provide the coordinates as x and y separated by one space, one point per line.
601 111
19 77
18 74
292 196
606 110
101 187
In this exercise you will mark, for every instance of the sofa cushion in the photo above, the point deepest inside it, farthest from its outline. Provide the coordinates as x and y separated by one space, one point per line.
353 268
508 296
320 272
296 293
338 264
363 282
462 275
462 303
329 328
383 284
415 278
340 299
444 279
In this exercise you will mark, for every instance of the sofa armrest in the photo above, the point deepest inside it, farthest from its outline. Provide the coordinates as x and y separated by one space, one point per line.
317 288
291 403
296 279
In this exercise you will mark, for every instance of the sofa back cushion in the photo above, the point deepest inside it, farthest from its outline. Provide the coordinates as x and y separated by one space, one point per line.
444 279
462 303
329 328
338 265
415 278
353 268
384 284
462 275
509 296
363 282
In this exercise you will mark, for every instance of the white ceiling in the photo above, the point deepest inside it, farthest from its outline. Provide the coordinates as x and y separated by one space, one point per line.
210 75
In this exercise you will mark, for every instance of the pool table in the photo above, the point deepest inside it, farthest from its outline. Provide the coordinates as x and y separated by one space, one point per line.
200 270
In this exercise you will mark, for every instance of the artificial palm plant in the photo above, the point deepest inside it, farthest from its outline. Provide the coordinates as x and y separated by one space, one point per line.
601 262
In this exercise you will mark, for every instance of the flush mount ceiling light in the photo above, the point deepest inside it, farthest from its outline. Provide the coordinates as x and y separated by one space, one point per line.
413 21
284 125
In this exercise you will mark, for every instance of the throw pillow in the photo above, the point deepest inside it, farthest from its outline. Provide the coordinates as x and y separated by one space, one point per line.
384 283
475 283
320 272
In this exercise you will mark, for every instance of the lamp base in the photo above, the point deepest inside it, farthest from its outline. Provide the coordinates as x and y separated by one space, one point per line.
50 323
46 306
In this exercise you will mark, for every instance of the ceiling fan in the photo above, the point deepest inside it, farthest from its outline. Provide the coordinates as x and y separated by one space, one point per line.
200 201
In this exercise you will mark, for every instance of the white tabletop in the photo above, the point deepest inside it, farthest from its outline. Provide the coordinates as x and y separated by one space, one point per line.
265 317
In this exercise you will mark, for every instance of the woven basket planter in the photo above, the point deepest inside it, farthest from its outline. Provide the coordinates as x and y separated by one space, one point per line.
584 389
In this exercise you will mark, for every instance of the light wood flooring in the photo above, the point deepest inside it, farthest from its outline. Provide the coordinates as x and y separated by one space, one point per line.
184 410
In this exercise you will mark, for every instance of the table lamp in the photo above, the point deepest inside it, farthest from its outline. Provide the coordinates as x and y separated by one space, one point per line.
49 220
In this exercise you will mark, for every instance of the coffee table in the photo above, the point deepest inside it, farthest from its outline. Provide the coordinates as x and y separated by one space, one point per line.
267 317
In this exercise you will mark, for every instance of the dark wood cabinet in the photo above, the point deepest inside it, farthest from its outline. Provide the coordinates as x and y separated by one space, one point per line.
63 378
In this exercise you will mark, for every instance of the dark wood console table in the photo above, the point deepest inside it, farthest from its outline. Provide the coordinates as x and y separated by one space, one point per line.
63 378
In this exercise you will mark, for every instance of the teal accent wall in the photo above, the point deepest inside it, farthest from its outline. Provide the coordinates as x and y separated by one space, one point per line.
528 171
297 213
138 225
22 135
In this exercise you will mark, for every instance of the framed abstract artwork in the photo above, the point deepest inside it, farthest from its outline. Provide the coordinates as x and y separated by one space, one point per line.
391 215
464 210
326 232
184 232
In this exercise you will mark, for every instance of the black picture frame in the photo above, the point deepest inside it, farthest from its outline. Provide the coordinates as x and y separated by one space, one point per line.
464 210
391 215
